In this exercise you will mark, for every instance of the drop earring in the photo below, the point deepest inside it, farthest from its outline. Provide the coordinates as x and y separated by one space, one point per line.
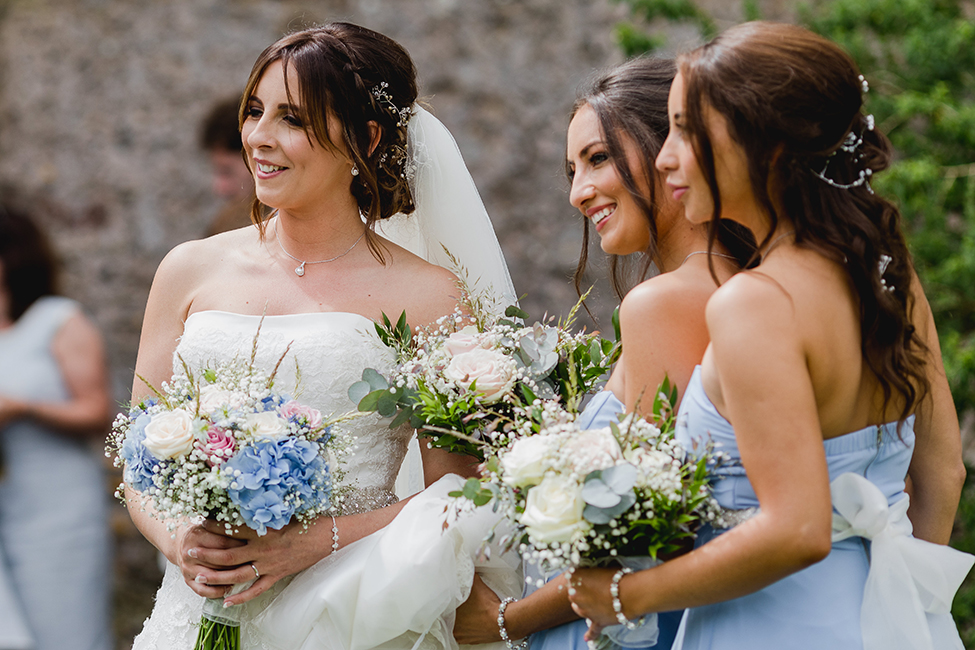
355 170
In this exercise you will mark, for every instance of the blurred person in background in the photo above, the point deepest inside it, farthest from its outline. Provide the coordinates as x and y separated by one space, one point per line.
231 180
55 408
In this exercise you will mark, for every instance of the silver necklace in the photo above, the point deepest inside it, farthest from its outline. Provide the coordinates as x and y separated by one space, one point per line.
300 269
775 242
729 257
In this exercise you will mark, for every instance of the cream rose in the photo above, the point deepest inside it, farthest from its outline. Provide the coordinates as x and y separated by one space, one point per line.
553 510
493 372
213 398
170 434
266 425
592 450
526 462
462 341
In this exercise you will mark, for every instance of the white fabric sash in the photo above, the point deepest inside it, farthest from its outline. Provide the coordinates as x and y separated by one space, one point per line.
911 583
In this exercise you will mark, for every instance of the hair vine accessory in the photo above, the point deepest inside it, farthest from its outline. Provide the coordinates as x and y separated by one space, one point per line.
614 591
852 145
863 84
882 265
385 100
504 633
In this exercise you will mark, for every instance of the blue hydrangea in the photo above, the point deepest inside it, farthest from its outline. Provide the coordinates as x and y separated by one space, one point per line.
139 463
277 479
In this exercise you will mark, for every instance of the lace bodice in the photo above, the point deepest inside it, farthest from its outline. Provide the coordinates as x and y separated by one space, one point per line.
327 355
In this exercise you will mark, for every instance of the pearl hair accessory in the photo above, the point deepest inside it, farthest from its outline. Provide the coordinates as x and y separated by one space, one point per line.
504 633
385 100
851 145
614 591
882 265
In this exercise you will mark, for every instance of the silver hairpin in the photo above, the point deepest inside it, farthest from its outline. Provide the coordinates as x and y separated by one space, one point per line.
882 268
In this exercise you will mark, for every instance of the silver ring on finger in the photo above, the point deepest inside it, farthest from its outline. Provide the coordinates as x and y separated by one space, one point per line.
257 574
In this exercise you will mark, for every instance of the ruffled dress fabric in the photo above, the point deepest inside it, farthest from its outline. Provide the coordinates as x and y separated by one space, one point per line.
396 589
54 538
602 409
820 606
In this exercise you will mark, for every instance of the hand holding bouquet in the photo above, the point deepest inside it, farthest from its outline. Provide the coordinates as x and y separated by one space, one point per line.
225 445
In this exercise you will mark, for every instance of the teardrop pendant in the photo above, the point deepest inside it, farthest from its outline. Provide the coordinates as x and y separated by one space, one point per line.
300 270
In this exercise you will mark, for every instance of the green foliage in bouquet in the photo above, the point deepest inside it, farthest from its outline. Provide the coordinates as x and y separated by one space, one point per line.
474 378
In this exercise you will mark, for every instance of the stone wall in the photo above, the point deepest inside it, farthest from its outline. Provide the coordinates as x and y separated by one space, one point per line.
100 105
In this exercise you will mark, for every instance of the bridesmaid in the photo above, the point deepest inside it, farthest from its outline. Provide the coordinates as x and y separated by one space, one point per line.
617 128
823 379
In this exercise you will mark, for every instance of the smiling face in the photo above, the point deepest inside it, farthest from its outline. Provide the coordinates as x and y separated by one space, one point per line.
685 180
292 171
598 190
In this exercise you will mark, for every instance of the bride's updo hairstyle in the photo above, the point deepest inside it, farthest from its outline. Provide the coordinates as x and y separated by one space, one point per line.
792 100
630 102
359 76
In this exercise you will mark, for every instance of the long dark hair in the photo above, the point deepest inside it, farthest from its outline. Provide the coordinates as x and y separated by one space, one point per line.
791 98
630 100
338 65
27 261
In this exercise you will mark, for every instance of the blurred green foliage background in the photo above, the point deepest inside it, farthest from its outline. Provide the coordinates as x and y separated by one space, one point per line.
919 58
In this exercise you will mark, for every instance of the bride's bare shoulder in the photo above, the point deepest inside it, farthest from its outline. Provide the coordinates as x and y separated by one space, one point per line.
426 290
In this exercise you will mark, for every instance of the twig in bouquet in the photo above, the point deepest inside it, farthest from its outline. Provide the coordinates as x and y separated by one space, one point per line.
257 334
458 434
270 379
155 391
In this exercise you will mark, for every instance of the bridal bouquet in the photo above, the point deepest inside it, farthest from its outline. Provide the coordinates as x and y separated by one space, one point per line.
475 378
591 498
224 444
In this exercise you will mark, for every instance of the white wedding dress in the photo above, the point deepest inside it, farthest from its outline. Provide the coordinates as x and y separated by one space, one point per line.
395 589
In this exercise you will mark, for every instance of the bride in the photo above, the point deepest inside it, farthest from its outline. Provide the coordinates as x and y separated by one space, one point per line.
337 147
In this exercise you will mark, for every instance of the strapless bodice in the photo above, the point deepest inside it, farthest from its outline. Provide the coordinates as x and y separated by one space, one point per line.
877 453
328 353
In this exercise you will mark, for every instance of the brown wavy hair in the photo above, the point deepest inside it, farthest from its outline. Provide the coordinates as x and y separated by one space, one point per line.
630 100
790 98
337 66
27 260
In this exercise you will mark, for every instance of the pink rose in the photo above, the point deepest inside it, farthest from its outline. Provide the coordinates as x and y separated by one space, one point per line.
301 413
494 373
219 445
592 450
465 340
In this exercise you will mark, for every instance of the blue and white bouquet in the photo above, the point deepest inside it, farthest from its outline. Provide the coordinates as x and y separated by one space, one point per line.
225 445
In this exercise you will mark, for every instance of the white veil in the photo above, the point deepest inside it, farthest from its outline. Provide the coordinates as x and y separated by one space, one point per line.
449 211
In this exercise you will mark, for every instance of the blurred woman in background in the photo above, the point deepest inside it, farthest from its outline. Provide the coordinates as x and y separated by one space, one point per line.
54 402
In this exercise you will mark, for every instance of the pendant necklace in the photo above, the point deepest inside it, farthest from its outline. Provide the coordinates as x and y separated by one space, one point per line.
300 269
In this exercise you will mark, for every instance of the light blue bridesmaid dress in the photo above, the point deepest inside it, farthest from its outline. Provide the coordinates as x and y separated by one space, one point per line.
53 500
818 607
602 409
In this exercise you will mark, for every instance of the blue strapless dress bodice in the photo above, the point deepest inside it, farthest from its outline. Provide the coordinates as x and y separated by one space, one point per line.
818 607
603 408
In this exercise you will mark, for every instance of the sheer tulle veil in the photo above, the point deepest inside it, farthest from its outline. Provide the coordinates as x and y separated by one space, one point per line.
449 212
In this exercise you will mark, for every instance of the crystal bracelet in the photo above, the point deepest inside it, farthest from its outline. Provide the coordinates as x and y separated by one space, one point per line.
335 535
504 633
614 591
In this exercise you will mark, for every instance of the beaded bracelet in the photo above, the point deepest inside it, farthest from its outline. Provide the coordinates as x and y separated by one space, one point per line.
335 535
504 633
614 591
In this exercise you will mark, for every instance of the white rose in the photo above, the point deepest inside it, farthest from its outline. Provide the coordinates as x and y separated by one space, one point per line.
553 510
493 372
170 434
266 425
592 450
465 340
526 462
213 398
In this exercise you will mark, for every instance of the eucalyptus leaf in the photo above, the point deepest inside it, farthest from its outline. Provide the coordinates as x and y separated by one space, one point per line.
545 389
544 364
620 478
595 515
386 404
513 311
599 494
401 418
359 390
370 402
376 381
